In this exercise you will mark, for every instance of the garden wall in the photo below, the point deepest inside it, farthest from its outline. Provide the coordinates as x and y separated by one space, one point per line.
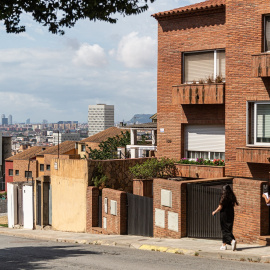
200 171
117 172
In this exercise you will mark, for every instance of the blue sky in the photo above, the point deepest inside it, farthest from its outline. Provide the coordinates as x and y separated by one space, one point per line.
45 76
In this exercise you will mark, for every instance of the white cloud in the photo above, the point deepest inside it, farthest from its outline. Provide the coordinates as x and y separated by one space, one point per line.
137 52
90 55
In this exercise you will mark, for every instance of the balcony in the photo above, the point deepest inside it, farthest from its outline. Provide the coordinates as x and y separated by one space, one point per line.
261 65
253 154
198 94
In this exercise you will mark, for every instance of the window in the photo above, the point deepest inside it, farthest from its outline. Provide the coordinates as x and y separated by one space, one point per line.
258 123
205 141
199 66
83 148
17 172
48 167
205 155
28 174
41 167
267 33
10 172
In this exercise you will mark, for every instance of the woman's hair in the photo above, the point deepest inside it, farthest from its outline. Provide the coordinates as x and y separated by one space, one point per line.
228 196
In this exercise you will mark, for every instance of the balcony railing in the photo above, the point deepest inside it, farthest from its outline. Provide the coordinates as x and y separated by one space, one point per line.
261 65
198 94
253 154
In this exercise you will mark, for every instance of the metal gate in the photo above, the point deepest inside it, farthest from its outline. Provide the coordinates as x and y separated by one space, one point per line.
100 211
38 204
20 205
140 215
50 204
202 200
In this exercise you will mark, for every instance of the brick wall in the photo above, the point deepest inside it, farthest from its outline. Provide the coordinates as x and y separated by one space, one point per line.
244 37
252 214
179 205
178 190
92 194
200 171
143 187
117 172
116 224
8 178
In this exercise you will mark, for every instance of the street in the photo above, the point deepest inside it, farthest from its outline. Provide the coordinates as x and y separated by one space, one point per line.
20 253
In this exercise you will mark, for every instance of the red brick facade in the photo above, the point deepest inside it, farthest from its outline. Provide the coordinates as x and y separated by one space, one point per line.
115 223
238 28
175 36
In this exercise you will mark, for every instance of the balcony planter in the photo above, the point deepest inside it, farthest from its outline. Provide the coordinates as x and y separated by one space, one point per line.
198 94
200 171
261 65
253 154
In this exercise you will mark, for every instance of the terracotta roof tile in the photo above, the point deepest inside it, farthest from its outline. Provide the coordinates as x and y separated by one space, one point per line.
63 148
26 154
104 135
194 7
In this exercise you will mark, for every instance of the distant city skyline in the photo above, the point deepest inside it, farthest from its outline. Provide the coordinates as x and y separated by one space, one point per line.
57 77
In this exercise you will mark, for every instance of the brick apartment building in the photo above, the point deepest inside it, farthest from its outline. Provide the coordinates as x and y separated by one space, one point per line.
226 42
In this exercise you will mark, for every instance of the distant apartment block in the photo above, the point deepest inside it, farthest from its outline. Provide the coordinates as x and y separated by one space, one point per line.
4 120
10 119
27 122
65 137
100 117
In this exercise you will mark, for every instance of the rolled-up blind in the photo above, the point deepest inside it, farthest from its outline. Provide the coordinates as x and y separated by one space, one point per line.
210 138
199 66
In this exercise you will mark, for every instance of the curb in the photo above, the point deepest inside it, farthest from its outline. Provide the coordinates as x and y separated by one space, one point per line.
228 255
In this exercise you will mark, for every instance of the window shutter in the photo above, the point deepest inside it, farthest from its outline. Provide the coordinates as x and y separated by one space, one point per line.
267 33
263 123
199 66
205 138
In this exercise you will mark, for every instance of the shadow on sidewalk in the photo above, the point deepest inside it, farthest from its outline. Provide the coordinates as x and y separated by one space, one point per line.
37 257
244 248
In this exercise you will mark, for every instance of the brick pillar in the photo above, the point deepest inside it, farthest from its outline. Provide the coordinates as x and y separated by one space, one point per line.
116 221
91 208
143 187
252 214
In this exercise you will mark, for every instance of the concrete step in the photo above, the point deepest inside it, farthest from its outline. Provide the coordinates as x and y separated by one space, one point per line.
97 230
264 240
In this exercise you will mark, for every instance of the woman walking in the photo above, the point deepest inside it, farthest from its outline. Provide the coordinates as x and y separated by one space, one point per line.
226 208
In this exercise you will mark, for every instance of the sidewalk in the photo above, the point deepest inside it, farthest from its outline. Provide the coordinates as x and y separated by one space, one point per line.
185 246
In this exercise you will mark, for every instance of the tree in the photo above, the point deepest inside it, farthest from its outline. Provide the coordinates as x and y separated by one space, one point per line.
108 149
57 14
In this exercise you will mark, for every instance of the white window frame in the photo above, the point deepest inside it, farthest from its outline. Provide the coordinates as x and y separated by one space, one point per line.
215 62
208 153
264 32
255 123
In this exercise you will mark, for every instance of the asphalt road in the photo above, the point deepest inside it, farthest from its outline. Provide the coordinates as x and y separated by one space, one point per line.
19 253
